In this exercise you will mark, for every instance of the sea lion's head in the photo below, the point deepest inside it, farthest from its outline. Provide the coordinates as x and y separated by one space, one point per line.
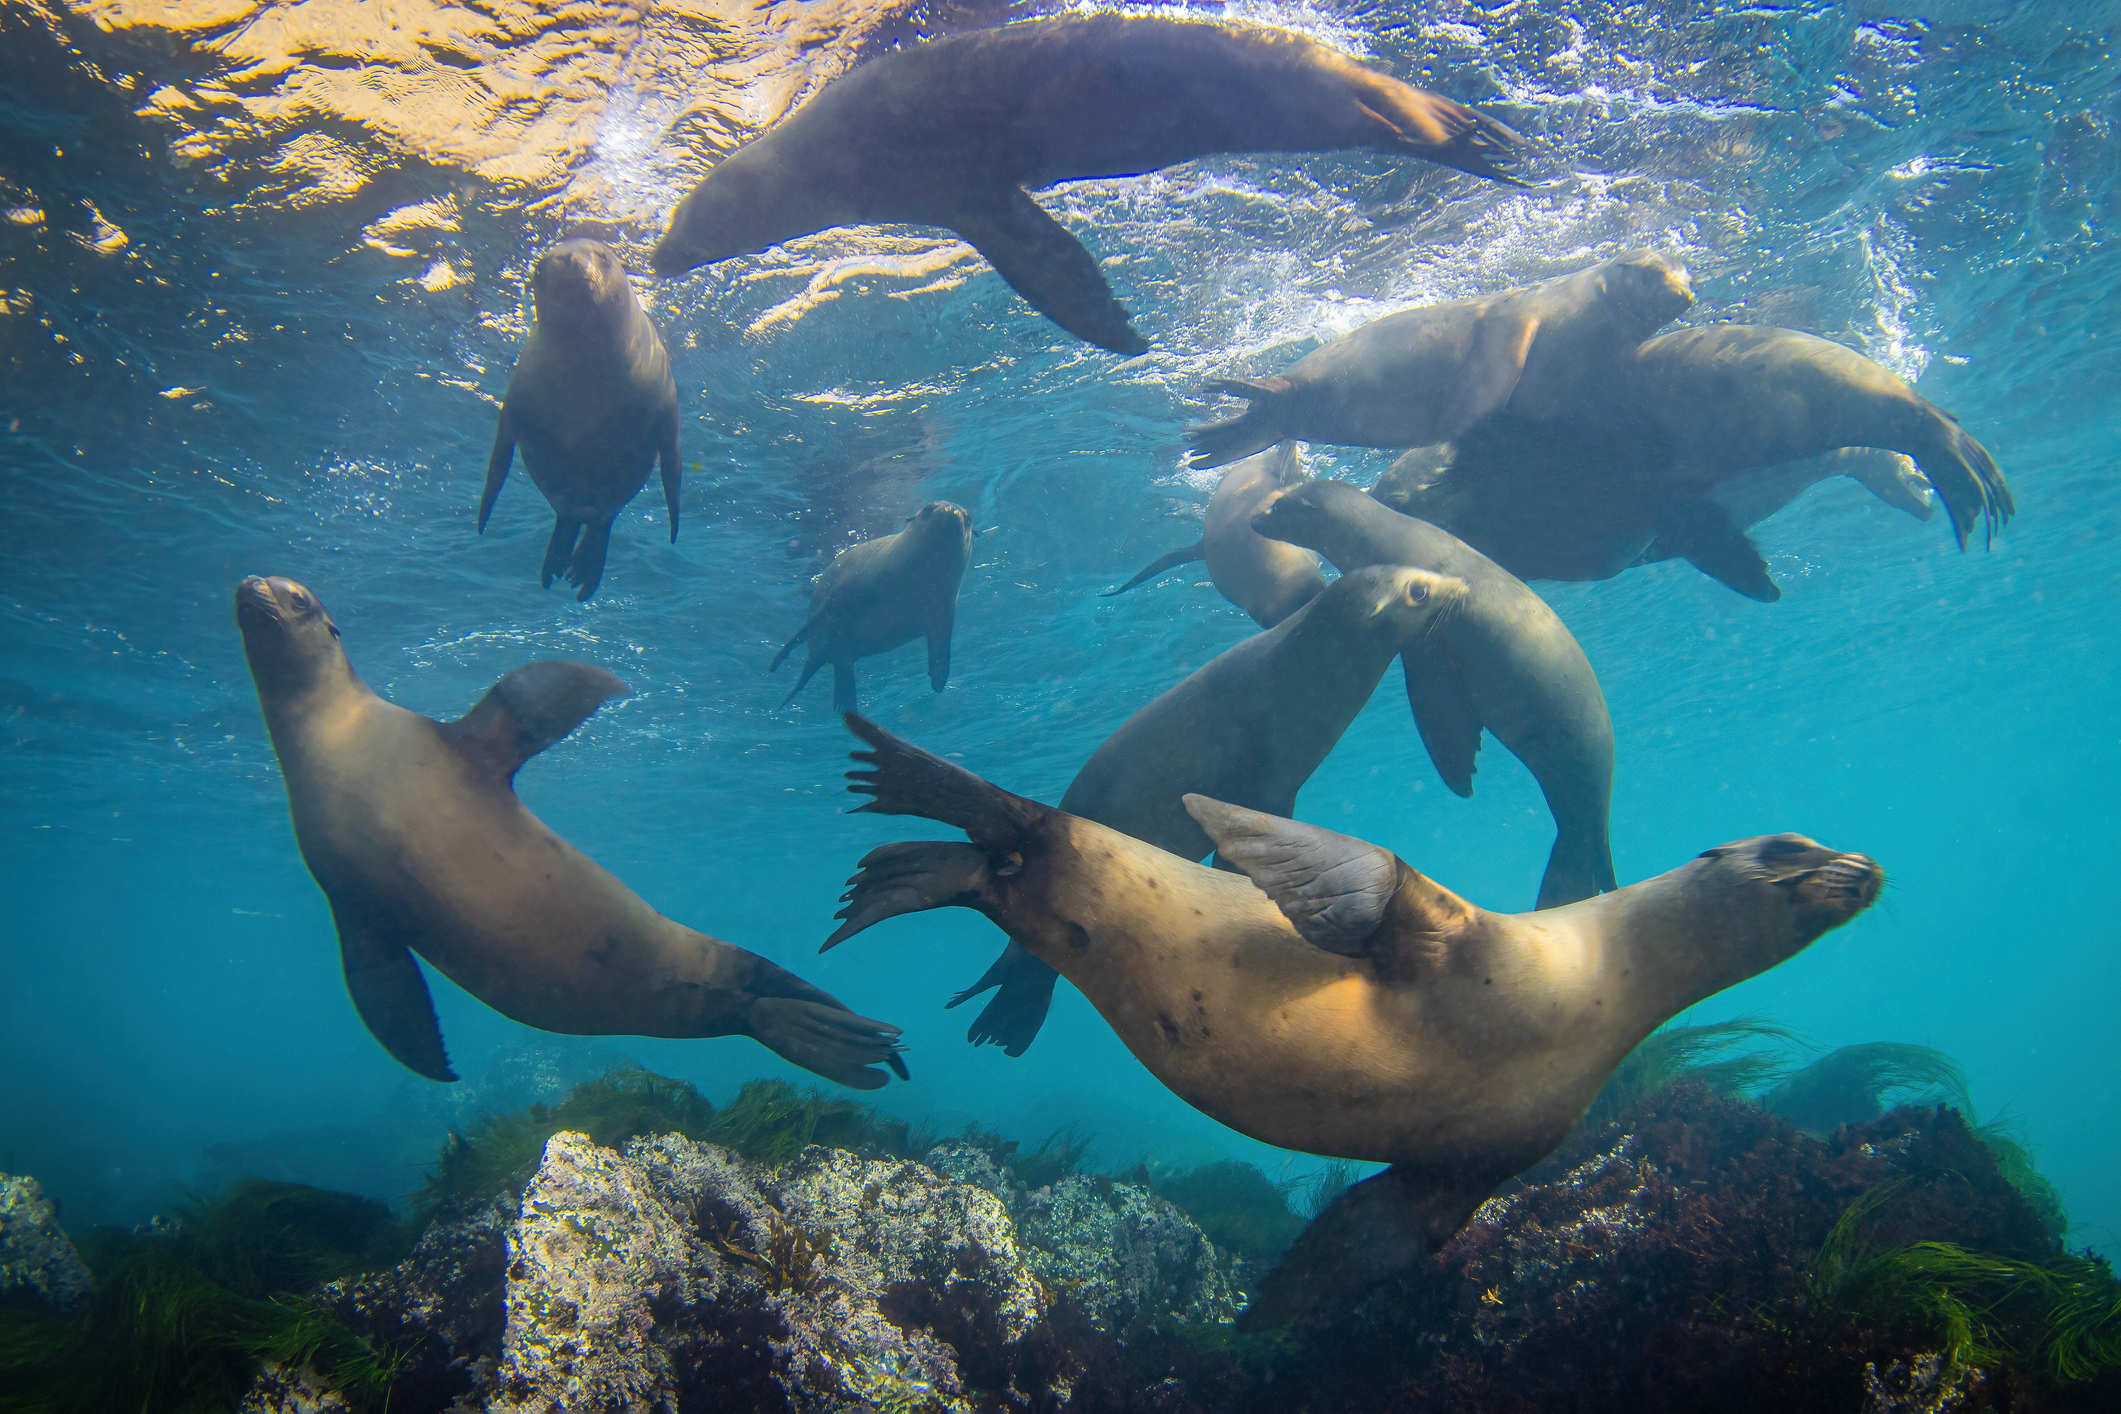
745 205
291 643
1396 603
1304 514
941 522
580 277
1773 895
1647 290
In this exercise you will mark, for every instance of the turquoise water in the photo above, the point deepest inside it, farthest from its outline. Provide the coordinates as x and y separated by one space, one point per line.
264 394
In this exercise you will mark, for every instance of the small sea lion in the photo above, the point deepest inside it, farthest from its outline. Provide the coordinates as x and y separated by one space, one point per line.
1503 661
1336 1001
1567 510
1268 579
592 406
884 592
950 133
412 829
1427 375
1250 727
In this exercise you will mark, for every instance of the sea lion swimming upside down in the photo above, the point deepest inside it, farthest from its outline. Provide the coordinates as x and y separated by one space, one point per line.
1338 1002
950 132
413 831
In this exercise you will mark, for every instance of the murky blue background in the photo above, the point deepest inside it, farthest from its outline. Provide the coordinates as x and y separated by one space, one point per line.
1930 182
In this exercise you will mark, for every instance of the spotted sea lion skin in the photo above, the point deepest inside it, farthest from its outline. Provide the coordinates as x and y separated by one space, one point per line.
591 406
1331 999
412 829
1250 726
951 132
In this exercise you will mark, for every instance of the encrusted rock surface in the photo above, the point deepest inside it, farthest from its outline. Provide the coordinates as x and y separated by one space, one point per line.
1124 1254
35 1253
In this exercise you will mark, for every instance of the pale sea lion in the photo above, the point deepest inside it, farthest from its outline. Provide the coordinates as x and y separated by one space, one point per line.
884 592
591 405
950 132
1250 726
1564 510
1336 1001
412 829
1427 375
1503 661
1268 579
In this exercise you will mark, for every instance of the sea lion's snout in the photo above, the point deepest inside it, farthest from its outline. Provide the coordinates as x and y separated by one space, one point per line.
1825 887
1847 882
577 269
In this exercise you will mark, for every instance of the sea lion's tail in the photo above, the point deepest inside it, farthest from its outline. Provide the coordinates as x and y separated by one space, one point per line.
1254 430
1184 556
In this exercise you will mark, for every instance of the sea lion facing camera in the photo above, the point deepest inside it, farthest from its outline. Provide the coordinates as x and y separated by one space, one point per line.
950 132
1268 579
412 829
884 592
591 405
1250 727
1427 375
1336 1001
1503 662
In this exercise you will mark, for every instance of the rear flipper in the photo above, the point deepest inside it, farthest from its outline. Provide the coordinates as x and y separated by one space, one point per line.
1967 480
1254 430
1196 551
559 550
827 1040
909 781
1579 867
1380 1227
1049 268
1012 1020
1890 476
586 569
910 878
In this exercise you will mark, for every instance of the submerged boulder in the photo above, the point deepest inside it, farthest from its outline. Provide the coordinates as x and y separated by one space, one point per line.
36 1256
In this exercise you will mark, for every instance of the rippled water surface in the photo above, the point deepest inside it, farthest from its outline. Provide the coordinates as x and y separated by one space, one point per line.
261 391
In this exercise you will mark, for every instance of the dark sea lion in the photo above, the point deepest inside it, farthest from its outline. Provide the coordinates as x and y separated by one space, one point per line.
1427 375
884 592
1268 579
1336 1001
950 132
1503 662
412 829
1563 509
1250 727
592 406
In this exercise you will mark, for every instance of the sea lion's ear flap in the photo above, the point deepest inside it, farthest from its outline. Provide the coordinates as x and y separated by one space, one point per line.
529 710
1333 888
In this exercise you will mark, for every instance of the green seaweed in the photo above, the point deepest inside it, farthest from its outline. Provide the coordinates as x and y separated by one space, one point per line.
1850 1086
2060 1315
1237 1206
1057 1156
181 1321
2014 1160
1327 1183
1703 1053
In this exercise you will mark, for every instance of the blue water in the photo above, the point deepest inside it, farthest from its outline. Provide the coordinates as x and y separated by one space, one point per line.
260 393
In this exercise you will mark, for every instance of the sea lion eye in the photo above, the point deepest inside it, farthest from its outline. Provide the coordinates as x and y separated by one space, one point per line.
301 601
1416 593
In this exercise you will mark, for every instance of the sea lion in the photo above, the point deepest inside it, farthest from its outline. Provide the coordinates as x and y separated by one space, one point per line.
884 592
1564 510
950 132
1250 727
1268 579
1502 661
592 406
1427 375
1336 1001
412 829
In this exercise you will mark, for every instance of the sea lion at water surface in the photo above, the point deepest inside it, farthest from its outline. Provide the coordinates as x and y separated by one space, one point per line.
1503 662
1426 375
591 405
1337 1001
884 592
950 132
412 829
1268 579
1249 727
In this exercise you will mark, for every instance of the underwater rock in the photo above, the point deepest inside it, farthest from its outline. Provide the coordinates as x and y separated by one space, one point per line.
441 1309
1123 1254
36 1255
283 1389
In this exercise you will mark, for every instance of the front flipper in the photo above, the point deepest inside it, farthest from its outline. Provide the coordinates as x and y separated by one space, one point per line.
1488 376
504 450
528 710
673 470
909 878
391 995
1333 888
1012 1020
828 1040
1049 268
1700 532
1198 550
939 627
1444 711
